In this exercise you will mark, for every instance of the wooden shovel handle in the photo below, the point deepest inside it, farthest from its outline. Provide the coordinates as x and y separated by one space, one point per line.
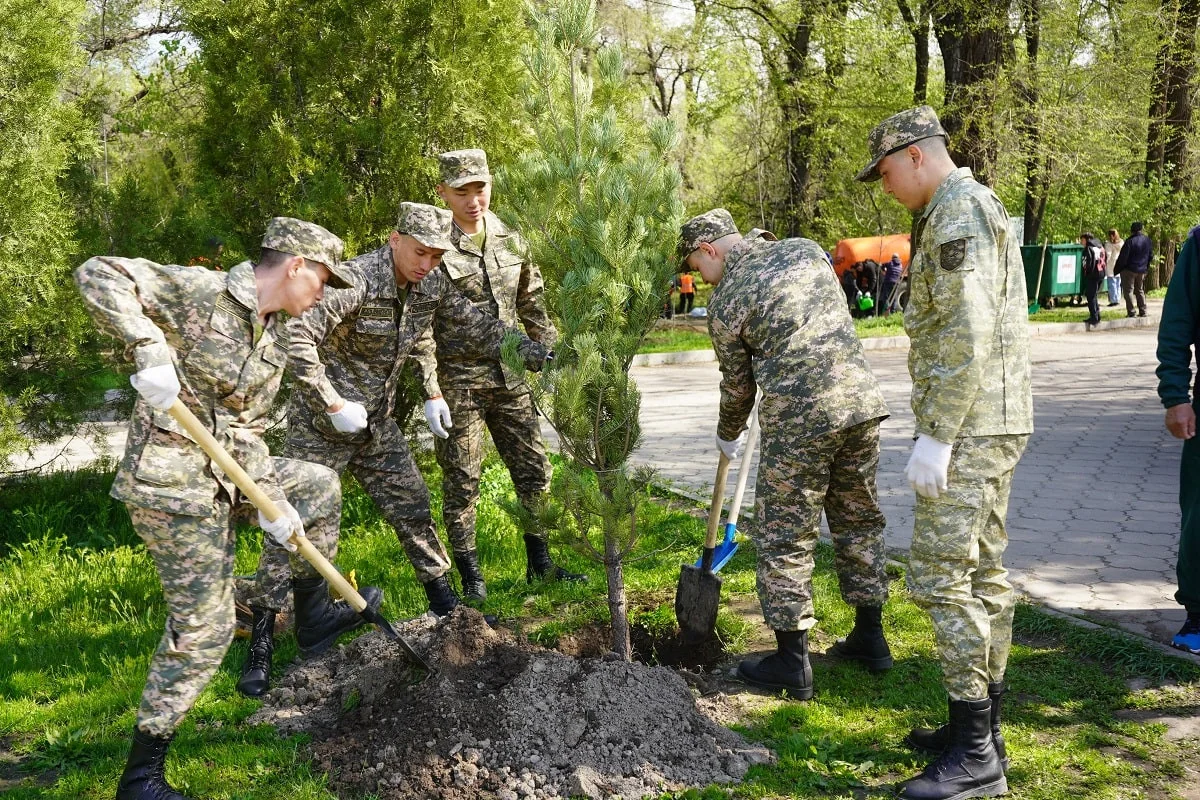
262 502
718 500
735 505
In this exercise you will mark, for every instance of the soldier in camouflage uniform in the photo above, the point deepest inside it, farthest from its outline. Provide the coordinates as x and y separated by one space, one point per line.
969 360
346 356
215 341
467 388
778 320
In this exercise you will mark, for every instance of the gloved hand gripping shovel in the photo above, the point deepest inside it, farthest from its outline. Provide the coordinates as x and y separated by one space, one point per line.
212 447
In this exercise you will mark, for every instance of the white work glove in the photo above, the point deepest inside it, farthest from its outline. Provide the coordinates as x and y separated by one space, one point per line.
928 466
733 449
437 414
350 418
281 529
158 386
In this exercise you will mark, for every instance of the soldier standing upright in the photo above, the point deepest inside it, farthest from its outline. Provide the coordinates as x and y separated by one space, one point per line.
468 388
346 356
778 320
215 341
967 319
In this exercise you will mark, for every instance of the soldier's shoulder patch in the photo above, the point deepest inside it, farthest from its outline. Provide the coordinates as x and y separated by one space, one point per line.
952 254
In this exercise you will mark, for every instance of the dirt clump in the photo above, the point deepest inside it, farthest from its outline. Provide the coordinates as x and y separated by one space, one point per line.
501 718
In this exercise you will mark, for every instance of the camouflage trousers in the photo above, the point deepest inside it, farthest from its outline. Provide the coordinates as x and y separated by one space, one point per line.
796 481
955 567
194 560
383 464
512 420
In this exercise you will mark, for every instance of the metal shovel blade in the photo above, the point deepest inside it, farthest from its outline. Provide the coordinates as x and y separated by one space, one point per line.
373 616
696 600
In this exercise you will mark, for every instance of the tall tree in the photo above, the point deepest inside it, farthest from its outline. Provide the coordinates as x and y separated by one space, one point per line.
42 326
597 195
973 36
334 111
916 17
1171 117
1037 179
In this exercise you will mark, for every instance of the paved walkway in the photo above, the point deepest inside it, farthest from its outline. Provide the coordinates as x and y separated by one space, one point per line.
1094 517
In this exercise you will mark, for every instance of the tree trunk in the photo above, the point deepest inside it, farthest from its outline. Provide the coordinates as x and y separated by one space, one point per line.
1171 117
918 27
798 110
1029 127
973 37
618 610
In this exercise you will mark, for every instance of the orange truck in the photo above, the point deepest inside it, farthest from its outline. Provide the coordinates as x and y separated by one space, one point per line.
879 249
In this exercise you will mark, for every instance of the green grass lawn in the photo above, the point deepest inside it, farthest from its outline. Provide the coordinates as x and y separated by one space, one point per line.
81 612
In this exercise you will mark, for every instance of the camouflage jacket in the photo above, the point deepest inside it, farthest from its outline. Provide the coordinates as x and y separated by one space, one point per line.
778 319
203 322
967 316
503 283
355 342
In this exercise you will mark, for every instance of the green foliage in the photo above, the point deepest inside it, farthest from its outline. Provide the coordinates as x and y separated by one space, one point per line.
597 197
333 111
42 325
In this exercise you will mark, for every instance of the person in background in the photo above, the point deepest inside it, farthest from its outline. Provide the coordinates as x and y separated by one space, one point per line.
1093 275
1112 251
687 292
889 294
1132 265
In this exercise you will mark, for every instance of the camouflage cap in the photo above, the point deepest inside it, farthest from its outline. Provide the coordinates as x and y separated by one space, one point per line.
897 132
460 167
706 227
300 238
429 225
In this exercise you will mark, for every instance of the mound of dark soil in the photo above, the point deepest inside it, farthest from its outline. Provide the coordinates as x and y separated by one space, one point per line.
501 719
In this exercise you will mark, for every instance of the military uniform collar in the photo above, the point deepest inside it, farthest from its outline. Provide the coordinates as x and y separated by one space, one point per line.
242 286
955 177
463 241
739 250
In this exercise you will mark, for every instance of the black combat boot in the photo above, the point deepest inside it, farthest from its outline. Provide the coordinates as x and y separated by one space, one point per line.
934 741
785 669
143 778
969 766
473 587
865 642
442 599
540 565
319 620
256 672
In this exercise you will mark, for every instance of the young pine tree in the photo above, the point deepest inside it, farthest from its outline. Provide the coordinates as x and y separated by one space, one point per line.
597 197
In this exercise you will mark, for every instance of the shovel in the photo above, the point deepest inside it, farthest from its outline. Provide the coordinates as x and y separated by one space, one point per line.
1036 305
699 591
725 550
210 445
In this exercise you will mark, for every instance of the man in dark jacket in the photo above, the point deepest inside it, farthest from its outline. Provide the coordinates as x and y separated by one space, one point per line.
1176 334
893 273
1132 265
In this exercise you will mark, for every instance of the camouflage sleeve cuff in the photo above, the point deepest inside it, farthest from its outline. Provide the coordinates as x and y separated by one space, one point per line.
430 385
935 431
327 393
154 354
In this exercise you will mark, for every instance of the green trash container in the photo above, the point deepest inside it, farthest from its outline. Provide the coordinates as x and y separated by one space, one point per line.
1061 270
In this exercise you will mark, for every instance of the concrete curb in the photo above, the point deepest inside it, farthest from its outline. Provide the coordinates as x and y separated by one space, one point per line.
899 342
